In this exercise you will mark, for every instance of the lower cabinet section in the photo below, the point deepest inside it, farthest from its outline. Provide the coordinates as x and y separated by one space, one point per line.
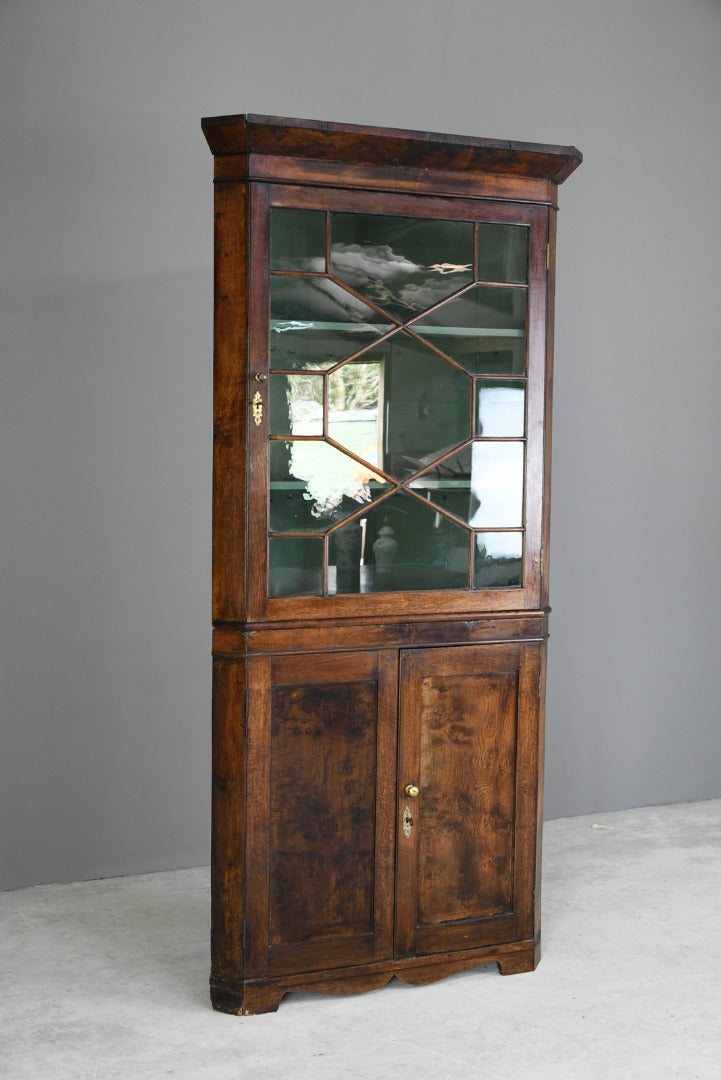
379 818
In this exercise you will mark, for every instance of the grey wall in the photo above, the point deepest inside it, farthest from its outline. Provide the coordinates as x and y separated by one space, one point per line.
105 338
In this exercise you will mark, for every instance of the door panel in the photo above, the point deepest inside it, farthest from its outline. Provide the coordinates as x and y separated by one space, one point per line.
460 881
322 810
324 852
468 744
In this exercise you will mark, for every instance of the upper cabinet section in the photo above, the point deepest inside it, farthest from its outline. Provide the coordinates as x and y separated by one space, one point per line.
383 362
405 401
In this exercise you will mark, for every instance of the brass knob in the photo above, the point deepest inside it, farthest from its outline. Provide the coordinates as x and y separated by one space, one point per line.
412 791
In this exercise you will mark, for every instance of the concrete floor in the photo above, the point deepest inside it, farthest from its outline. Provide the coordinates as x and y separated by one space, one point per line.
108 979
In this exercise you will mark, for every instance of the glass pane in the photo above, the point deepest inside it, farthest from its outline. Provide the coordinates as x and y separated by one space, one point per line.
449 484
315 323
403 545
501 409
297 240
295 566
484 329
503 253
313 485
425 404
497 484
499 560
353 407
296 404
402 264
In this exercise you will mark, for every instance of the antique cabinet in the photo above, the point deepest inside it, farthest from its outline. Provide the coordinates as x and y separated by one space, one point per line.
383 356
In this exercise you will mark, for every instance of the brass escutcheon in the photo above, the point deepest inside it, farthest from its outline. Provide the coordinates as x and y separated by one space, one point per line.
257 408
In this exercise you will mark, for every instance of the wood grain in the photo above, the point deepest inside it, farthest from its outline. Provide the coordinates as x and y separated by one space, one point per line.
326 141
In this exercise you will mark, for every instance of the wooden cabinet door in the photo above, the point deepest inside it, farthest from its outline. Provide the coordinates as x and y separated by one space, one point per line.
469 743
321 763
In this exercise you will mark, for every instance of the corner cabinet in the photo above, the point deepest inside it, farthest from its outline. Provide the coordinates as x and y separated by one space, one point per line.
383 348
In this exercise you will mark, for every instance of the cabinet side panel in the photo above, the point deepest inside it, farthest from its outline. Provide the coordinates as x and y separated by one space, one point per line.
529 786
228 818
229 393
548 427
541 743
536 510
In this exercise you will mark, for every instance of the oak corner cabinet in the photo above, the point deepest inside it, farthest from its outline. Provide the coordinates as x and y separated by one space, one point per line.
382 374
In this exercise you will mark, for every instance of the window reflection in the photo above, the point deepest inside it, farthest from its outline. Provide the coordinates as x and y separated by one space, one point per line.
498 560
404 265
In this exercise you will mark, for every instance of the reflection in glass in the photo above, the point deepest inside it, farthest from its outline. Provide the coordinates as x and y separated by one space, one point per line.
295 566
297 240
404 545
502 252
481 484
484 329
354 397
313 485
448 484
501 409
425 404
296 404
498 561
496 484
402 264
315 323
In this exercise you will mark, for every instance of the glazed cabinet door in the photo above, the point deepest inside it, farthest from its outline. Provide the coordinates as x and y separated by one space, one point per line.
396 403
467 810
321 756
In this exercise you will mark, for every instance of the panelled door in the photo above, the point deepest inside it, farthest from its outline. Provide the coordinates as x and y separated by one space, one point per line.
467 804
321 762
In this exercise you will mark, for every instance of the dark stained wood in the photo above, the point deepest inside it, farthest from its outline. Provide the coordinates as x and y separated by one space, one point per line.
325 708
229 394
548 401
460 882
468 745
324 141
322 809
258 383
388 178
540 770
386 781
535 417
517 963
257 856
425 205
529 782
384 633
321 848
227 839
260 996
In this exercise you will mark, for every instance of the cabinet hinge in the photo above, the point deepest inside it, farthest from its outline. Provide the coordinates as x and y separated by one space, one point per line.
245 938
548 256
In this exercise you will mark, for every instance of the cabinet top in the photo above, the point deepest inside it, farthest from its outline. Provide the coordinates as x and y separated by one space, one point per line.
278 136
